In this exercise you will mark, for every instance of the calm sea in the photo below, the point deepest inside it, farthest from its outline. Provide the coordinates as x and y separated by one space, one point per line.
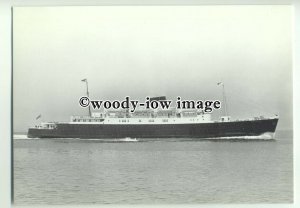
73 171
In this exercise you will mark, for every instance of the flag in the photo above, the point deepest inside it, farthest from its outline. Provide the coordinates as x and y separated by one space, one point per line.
83 80
39 116
219 83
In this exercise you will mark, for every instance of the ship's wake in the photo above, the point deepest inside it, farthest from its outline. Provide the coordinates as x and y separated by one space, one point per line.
264 136
108 140
128 139
21 136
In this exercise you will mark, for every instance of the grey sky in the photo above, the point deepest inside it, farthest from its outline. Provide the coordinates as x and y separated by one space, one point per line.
156 50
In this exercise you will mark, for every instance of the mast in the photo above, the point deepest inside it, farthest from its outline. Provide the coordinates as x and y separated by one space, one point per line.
87 94
224 98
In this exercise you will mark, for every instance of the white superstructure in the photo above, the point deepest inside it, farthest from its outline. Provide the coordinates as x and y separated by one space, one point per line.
170 116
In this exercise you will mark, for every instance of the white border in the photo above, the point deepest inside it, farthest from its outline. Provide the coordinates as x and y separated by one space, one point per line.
5 81
5 116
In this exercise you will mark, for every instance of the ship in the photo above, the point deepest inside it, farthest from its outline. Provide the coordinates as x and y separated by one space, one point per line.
157 124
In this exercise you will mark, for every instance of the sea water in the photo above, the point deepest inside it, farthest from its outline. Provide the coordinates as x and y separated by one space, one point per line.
157 171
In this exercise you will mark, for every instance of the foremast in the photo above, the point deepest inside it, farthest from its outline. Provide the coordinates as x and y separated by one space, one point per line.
87 94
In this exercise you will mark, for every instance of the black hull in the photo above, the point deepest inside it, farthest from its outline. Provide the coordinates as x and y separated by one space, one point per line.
202 130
